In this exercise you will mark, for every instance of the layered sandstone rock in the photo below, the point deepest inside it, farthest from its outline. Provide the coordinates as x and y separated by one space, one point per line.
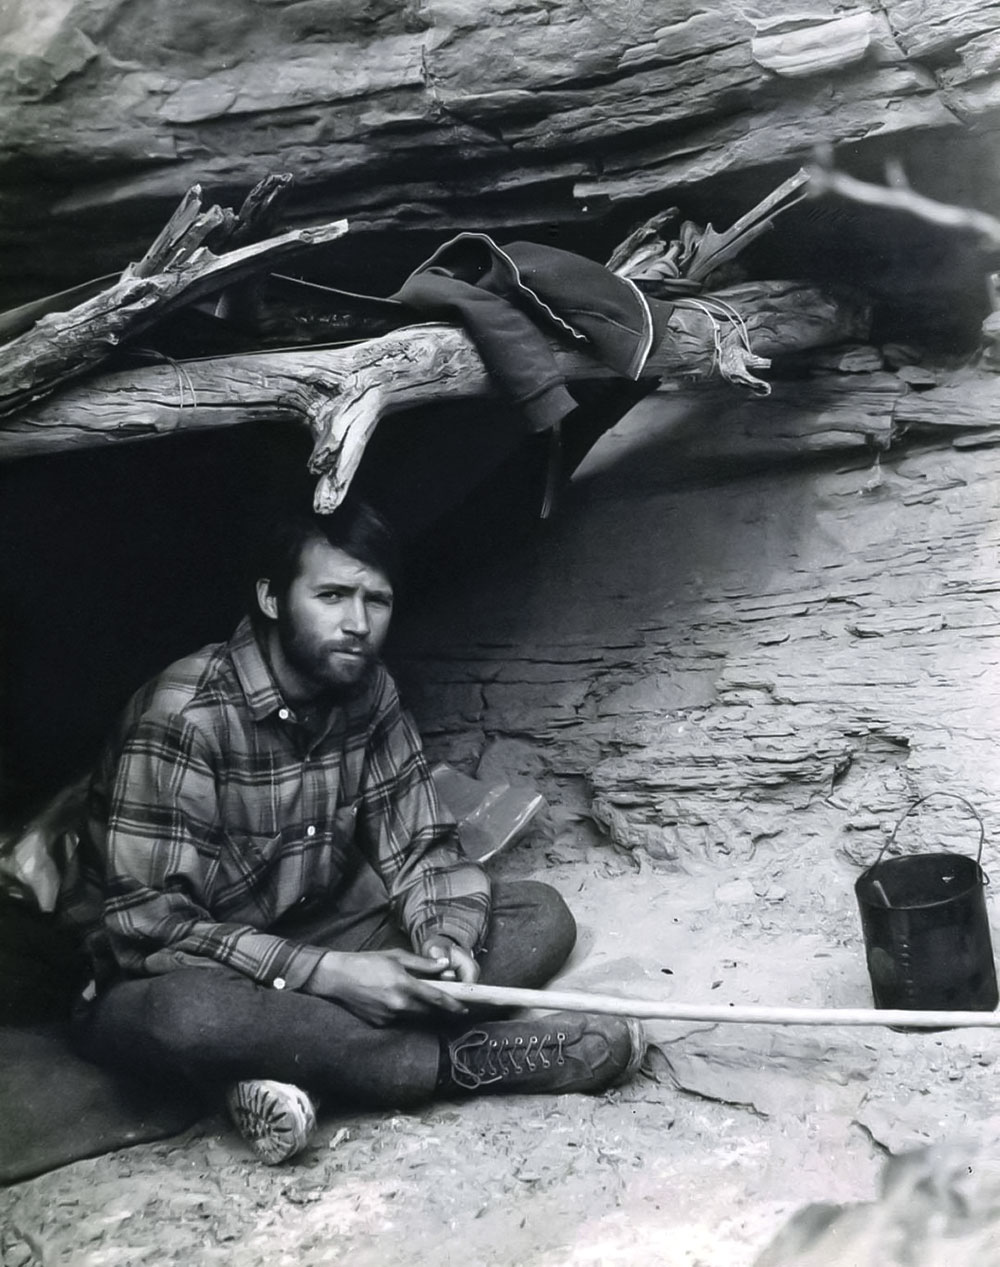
514 116
720 651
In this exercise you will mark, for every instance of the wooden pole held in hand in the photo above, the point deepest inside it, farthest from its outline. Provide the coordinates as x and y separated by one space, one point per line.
716 1014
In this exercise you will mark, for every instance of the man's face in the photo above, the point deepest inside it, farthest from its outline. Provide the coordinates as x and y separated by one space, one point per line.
331 625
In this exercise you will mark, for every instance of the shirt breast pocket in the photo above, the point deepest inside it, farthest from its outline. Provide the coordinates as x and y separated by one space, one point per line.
248 871
253 850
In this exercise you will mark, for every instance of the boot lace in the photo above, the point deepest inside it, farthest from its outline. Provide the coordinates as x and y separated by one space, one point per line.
478 1060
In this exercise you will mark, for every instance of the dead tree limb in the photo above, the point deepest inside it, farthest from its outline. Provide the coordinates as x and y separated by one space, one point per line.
185 263
340 393
900 197
64 345
696 253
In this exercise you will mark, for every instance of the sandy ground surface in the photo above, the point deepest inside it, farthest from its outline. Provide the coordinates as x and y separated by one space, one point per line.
697 1163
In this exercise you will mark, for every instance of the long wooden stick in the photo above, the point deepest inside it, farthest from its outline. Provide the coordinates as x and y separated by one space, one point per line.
653 1010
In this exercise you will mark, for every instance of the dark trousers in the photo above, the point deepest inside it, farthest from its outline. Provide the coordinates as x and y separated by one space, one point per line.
214 1026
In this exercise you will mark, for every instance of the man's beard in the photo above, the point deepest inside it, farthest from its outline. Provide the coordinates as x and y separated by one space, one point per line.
333 678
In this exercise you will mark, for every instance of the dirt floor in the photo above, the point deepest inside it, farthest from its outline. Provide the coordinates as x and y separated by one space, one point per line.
697 1163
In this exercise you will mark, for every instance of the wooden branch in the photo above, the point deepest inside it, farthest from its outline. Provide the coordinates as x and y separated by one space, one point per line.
340 392
697 253
188 226
257 218
65 345
900 197
17 321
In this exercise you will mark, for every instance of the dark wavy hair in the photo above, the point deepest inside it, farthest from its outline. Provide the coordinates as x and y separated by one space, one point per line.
355 527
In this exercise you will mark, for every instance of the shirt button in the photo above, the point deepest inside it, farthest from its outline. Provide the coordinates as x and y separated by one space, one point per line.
310 830
284 714
278 983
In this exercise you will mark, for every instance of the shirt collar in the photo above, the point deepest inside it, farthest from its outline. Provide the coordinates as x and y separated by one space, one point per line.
254 673
263 695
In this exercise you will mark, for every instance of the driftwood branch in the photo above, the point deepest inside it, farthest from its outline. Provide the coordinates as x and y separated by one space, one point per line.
180 237
340 393
900 197
178 269
696 253
52 344
218 228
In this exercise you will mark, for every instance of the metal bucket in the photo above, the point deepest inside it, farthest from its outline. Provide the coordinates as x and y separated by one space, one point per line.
927 936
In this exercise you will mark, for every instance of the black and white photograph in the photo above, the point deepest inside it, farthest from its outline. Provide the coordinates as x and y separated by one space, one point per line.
499 633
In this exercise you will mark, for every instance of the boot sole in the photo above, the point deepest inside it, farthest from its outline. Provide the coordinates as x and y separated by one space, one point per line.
276 1119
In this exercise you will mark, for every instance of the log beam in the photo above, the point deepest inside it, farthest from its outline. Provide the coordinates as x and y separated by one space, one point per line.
340 393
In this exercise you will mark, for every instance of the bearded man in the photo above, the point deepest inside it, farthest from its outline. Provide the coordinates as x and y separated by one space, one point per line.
272 886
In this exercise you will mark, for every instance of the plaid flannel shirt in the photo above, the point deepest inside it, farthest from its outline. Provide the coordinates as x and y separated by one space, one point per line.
215 812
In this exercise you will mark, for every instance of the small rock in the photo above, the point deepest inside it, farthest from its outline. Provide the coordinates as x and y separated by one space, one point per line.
855 359
860 630
978 440
735 892
917 376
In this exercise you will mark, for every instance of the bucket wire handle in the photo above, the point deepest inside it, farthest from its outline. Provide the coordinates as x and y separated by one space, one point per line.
906 813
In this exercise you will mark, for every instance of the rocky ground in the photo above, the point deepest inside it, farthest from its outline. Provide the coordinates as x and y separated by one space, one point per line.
698 1163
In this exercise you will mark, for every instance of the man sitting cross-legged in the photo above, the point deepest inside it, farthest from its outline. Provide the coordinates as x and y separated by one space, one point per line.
272 886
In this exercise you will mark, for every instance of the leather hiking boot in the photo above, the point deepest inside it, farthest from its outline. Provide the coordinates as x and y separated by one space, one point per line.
554 1054
276 1119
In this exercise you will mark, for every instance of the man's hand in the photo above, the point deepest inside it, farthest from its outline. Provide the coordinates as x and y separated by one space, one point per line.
383 986
460 965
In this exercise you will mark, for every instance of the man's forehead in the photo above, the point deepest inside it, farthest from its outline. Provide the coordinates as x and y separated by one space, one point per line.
322 563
